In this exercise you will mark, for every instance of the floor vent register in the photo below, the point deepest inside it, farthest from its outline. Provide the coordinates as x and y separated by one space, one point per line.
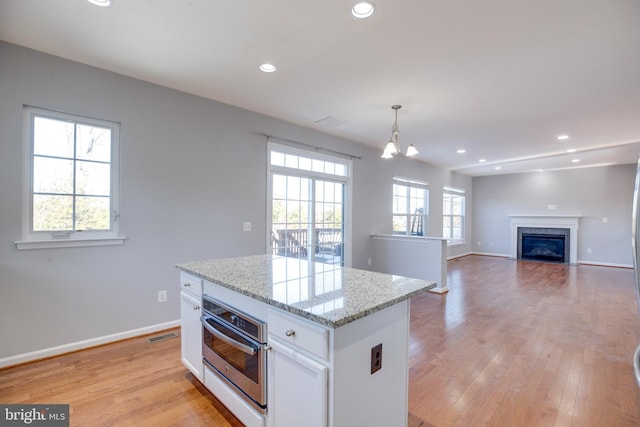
162 337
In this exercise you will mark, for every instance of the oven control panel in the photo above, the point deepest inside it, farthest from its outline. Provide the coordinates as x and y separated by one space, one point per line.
242 321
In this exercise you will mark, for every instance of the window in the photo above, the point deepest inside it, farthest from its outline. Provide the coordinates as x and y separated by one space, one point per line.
453 215
71 179
309 199
410 207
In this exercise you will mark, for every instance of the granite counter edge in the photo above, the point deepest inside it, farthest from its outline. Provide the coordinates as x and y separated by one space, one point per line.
310 316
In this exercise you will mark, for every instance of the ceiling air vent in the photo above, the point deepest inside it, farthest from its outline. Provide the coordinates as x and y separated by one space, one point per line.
331 122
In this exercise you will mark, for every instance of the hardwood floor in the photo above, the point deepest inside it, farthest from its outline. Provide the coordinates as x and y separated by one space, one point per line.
511 344
128 383
525 344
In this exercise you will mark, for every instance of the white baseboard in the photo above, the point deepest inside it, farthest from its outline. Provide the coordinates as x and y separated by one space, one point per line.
449 258
80 345
490 254
604 264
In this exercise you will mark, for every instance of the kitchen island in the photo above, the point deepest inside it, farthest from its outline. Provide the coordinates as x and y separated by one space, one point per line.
336 345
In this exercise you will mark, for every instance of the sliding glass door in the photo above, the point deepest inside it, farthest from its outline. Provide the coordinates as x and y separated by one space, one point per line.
308 204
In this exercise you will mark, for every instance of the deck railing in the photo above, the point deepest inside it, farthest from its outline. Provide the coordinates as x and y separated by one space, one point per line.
295 243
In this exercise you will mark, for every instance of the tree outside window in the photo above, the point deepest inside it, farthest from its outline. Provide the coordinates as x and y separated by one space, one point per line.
72 174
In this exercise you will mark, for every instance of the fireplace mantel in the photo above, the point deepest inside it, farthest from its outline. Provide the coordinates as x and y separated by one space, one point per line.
547 221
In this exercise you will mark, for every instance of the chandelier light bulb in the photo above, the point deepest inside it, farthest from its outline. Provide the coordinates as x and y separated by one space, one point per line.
391 147
411 150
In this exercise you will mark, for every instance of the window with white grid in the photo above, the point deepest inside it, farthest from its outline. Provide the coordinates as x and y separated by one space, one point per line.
410 210
453 215
71 179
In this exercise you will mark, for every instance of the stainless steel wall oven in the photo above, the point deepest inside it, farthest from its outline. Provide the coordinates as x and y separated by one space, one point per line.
233 344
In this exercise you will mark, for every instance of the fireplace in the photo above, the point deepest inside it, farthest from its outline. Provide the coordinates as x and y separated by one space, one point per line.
544 244
547 225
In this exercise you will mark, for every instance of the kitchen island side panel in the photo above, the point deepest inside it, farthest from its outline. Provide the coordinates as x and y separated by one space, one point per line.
362 398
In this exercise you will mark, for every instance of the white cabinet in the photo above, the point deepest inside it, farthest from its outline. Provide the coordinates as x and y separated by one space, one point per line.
299 333
298 370
298 390
191 284
190 328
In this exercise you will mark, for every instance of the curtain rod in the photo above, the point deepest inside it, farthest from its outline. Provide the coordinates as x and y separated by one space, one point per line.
313 147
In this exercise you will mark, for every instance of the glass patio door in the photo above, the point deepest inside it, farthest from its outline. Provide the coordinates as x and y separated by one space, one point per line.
307 208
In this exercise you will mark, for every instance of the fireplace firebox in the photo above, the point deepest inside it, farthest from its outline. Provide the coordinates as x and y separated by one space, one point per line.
543 244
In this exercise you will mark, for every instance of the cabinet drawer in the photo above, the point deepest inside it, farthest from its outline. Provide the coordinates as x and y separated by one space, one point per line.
191 284
299 333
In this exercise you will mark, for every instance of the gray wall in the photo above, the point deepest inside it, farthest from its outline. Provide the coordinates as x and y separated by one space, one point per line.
377 210
594 193
192 171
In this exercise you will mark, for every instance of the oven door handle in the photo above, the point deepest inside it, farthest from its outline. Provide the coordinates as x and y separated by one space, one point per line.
233 343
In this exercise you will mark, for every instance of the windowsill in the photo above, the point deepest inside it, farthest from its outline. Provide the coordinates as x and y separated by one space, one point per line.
69 243
404 237
456 243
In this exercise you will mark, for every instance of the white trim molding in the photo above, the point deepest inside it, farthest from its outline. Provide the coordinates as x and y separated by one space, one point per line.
81 345
571 222
69 243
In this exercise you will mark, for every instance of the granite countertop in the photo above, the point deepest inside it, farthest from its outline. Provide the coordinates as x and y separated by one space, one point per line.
324 293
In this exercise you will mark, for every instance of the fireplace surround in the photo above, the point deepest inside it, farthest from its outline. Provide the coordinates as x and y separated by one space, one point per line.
568 222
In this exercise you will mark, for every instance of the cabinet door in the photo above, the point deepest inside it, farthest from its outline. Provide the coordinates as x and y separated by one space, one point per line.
297 388
191 333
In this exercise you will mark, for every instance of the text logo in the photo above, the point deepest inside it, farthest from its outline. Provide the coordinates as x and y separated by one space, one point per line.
34 415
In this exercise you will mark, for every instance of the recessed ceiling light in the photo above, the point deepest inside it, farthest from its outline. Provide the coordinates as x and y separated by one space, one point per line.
562 137
103 3
482 160
540 170
461 151
267 68
362 10
498 168
571 150
575 161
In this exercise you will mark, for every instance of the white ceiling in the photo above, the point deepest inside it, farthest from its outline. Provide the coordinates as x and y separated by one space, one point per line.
499 78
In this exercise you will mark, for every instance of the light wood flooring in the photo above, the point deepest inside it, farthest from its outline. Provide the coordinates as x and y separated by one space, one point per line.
511 344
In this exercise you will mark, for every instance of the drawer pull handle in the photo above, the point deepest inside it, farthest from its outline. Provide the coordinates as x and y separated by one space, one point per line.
290 333
186 285
196 307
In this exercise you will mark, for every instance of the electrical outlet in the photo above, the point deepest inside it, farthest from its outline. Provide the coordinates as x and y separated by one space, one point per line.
369 262
589 250
162 296
376 358
246 226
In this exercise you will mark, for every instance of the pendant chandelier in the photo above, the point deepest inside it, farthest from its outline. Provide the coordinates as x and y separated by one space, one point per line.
393 146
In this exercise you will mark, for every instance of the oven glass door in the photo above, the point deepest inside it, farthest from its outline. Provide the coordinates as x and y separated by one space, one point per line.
236 350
